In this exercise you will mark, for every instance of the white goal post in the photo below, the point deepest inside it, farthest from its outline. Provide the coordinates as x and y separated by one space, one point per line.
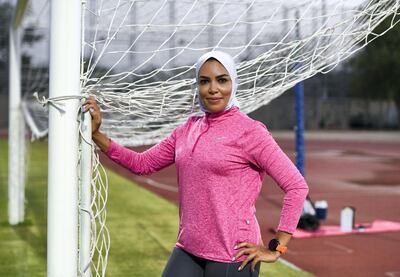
16 125
65 49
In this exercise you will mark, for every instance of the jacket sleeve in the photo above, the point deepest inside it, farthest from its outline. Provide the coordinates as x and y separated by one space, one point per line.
156 158
263 151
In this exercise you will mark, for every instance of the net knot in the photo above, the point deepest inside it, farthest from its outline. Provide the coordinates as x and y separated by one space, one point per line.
55 101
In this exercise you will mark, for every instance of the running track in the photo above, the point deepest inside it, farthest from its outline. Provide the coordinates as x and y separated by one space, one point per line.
359 169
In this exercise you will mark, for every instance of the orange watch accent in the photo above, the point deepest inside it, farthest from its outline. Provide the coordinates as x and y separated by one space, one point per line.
275 245
281 248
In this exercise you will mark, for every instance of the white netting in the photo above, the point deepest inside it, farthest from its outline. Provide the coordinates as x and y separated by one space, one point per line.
35 67
139 55
99 235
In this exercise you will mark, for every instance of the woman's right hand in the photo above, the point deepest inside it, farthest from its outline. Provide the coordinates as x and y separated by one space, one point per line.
102 141
94 110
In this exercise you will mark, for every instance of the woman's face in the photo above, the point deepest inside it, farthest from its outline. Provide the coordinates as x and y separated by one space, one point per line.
215 86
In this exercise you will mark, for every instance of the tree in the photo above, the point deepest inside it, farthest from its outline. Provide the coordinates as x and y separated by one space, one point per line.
5 18
376 70
29 37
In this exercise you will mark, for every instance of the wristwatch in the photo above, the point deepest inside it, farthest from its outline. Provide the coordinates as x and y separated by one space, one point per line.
275 245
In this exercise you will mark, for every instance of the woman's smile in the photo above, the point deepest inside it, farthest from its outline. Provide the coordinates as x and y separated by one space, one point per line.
214 101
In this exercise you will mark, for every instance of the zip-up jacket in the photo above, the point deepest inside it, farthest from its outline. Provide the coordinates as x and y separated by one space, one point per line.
221 160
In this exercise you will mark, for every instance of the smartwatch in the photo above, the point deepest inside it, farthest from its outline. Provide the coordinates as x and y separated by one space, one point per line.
275 245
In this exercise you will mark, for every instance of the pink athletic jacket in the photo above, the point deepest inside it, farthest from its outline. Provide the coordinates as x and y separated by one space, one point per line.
221 160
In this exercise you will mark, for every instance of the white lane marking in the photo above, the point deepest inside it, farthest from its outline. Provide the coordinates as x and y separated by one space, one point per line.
392 273
289 264
156 184
339 246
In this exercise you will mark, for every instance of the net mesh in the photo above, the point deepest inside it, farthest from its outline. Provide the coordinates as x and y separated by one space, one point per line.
139 55
99 234
35 67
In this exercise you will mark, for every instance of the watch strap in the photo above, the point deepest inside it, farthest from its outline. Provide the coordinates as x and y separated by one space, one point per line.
275 245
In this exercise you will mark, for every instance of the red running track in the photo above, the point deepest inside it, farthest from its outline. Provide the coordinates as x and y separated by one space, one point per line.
351 169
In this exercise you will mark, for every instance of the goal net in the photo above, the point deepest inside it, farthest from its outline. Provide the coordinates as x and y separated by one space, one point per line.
139 55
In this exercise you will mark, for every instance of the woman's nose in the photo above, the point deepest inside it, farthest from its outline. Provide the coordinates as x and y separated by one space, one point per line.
213 87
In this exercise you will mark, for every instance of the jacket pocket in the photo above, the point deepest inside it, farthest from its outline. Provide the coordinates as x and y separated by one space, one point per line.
246 228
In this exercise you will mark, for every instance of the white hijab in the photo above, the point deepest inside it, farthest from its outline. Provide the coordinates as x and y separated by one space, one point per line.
227 61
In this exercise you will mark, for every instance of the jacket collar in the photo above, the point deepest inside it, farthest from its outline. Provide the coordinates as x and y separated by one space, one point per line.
213 118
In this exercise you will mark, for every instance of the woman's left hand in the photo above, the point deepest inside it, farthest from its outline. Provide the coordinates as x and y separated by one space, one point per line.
257 253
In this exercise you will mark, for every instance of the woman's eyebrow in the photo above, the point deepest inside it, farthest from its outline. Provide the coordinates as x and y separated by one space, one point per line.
219 76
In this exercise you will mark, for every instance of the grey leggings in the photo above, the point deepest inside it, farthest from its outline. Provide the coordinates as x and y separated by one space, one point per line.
184 264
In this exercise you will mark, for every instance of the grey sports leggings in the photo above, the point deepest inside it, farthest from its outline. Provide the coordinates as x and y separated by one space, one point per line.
184 264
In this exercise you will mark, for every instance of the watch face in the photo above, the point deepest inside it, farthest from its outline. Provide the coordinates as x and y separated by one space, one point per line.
273 244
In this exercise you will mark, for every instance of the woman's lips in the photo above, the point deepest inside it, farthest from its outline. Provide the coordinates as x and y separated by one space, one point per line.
214 100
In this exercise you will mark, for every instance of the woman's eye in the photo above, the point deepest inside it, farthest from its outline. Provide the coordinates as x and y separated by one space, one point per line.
203 82
222 80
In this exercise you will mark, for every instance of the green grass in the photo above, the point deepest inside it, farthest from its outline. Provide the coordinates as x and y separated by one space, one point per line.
143 226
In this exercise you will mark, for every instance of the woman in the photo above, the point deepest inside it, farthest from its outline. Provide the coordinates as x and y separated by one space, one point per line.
221 159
